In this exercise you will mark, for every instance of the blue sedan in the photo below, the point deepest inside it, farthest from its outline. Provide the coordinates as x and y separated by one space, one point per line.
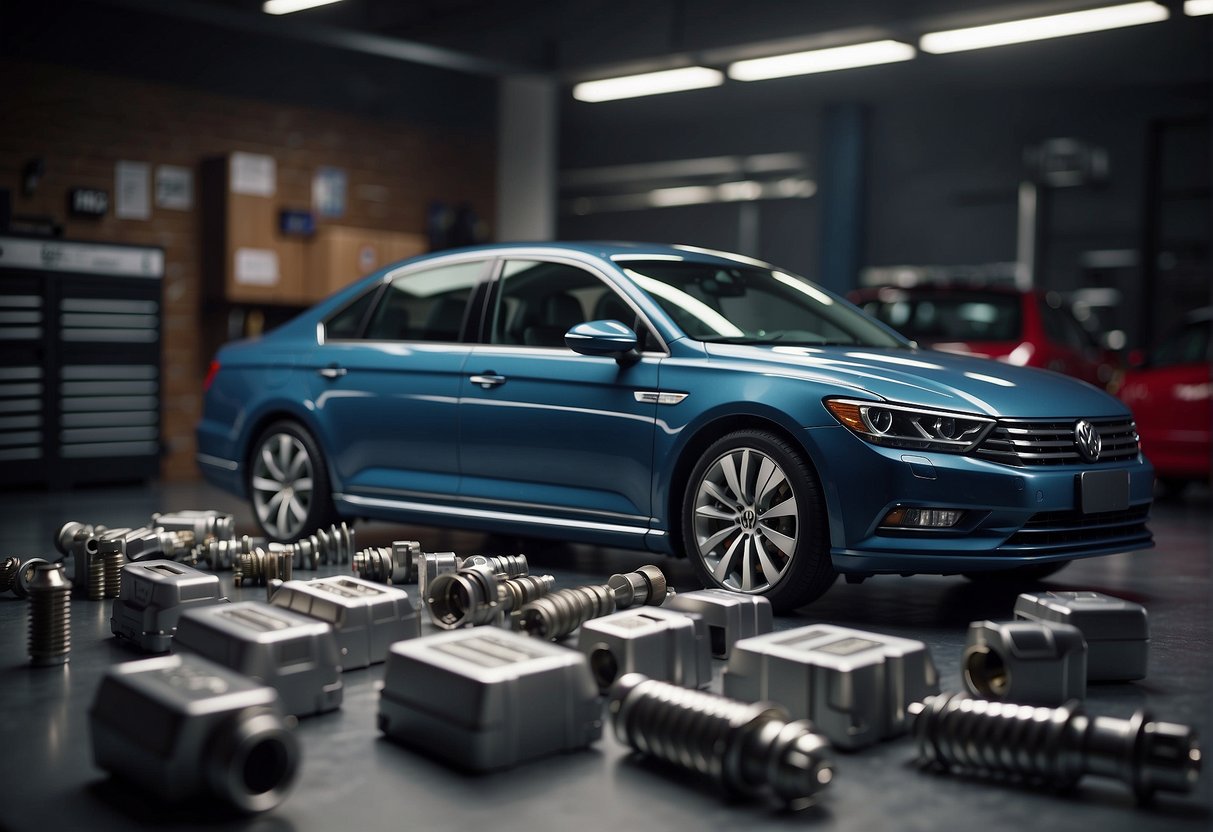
674 399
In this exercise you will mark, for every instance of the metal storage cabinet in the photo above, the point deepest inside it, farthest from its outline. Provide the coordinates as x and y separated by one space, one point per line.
80 334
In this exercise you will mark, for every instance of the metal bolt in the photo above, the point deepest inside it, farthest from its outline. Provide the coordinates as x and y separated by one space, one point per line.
384 565
113 558
324 546
745 747
50 616
220 554
476 595
560 613
1054 746
8 573
259 566
94 576
25 576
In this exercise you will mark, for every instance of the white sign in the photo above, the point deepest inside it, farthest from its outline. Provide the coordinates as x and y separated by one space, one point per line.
256 267
328 192
174 188
132 190
252 173
82 258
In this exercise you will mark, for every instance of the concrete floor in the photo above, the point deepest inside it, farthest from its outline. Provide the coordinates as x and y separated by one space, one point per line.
352 778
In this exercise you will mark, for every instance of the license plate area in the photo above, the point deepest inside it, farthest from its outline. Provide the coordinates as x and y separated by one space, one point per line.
1100 491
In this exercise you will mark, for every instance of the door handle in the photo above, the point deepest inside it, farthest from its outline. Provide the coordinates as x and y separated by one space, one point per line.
487 380
332 371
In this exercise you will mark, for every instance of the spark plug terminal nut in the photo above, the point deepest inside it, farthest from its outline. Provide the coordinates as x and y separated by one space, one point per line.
749 749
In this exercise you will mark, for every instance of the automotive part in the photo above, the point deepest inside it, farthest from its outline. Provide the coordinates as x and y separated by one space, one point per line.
486 699
1028 662
203 525
477 595
561 612
729 616
1054 746
432 564
661 644
854 685
184 727
50 616
367 618
1116 631
153 595
395 565
746 748
294 654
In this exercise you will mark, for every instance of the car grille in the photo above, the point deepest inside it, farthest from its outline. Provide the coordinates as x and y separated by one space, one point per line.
1060 531
1031 443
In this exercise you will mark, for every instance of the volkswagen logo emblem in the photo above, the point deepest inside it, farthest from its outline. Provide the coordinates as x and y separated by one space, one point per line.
749 520
1086 437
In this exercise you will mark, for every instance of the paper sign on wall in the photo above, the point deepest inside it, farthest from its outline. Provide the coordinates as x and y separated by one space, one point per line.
252 173
256 267
174 188
132 191
328 192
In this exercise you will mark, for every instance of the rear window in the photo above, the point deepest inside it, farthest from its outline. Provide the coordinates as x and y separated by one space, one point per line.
961 316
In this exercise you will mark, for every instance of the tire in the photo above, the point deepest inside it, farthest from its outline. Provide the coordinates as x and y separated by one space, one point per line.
1020 574
727 540
288 483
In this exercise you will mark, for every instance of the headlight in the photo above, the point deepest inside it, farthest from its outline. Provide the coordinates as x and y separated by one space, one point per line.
902 426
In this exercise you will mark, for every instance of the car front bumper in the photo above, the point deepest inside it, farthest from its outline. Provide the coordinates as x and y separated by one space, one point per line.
1013 516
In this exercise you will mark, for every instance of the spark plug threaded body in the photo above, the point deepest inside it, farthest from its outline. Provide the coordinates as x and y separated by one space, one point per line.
745 747
1055 746
50 616
560 613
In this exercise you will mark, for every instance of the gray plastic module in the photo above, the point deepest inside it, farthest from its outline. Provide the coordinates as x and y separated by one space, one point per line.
663 645
367 617
152 597
486 699
1025 662
294 654
730 616
183 727
1117 631
855 686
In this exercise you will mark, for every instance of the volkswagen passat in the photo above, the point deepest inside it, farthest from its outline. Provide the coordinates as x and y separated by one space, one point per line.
673 399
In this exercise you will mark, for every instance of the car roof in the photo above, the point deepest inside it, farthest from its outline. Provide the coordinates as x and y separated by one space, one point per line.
610 250
869 292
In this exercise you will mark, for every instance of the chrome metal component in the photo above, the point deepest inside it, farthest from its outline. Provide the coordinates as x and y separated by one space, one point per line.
747 749
1027 662
367 618
661 644
336 544
729 616
282 485
1054 746
50 616
94 571
221 554
477 595
854 685
395 565
203 525
432 564
259 566
746 521
71 533
153 595
294 654
646 585
8 573
487 699
184 727
556 615
1116 631
112 556
25 576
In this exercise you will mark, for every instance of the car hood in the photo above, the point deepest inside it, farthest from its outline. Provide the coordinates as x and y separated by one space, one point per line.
932 379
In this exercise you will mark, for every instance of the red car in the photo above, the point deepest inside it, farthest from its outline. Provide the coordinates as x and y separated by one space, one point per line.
1028 328
1170 395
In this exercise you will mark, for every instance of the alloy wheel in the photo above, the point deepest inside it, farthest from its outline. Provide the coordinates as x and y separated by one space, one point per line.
282 485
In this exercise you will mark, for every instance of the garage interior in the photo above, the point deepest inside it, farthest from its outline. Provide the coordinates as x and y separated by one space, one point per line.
330 142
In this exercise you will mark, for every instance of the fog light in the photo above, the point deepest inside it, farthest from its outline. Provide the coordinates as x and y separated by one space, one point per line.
923 518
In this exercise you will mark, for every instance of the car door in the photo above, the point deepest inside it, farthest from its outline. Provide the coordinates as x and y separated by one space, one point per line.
386 382
547 433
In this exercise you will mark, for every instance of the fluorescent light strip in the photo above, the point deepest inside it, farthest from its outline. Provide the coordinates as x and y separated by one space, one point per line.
649 83
289 6
1195 8
1040 28
822 60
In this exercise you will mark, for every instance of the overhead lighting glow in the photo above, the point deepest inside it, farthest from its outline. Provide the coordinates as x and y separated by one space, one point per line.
649 83
822 60
1195 8
1040 28
289 6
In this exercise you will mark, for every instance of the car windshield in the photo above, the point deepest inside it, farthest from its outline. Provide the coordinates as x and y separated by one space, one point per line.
752 305
955 316
1189 345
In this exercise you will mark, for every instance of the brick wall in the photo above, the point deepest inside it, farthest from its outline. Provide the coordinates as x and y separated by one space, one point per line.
81 124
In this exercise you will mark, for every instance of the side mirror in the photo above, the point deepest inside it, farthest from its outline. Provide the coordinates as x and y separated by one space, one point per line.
609 338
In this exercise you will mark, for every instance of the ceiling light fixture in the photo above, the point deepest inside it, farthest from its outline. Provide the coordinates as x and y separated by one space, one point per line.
1040 28
648 83
289 6
1195 8
822 60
